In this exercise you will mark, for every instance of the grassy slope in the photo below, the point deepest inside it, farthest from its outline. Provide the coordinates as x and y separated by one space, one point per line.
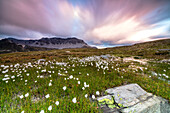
146 49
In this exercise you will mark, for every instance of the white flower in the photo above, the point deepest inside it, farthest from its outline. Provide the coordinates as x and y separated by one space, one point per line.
64 78
86 85
26 95
47 96
21 96
25 80
35 81
77 78
50 84
93 97
42 111
83 88
86 95
57 103
97 93
87 74
71 77
64 88
78 82
50 108
50 80
5 79
28 74
74 100
22 112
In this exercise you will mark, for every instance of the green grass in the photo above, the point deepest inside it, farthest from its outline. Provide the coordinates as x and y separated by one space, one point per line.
116 73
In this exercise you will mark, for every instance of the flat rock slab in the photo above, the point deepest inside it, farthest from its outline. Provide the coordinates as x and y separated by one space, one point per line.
133 99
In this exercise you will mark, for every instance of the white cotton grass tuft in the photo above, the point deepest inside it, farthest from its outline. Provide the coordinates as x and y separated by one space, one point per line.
71 77
64 88
50 84
47 96
86 95
74 100
42 111
97 93
27 94
50 108
57 103
21 96
93 97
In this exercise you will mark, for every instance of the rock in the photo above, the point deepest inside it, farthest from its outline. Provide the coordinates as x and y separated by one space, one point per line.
132 98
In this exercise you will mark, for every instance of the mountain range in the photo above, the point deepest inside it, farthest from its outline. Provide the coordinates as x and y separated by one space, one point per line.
8 45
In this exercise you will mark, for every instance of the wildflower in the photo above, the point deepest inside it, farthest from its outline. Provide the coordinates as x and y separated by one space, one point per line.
21 96
22 112
74 100
35 81
42 111
64 88
5 79
86 85
77 78
26 95
25 80
64 78
71 77
50 108
50 84
86 95
47 96
28 74
97 93
83 88
57 103
50 80
78 82
93 97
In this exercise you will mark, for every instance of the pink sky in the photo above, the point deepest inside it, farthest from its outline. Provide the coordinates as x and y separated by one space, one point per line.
97 22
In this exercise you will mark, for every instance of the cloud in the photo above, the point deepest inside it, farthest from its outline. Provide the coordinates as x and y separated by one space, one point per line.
96 21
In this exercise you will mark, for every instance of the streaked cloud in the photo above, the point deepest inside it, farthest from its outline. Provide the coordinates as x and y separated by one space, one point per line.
96 21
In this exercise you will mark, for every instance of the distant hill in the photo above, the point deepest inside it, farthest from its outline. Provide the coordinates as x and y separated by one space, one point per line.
152 49
14 45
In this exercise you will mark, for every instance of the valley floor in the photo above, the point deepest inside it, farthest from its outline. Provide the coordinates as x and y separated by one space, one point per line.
70 80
